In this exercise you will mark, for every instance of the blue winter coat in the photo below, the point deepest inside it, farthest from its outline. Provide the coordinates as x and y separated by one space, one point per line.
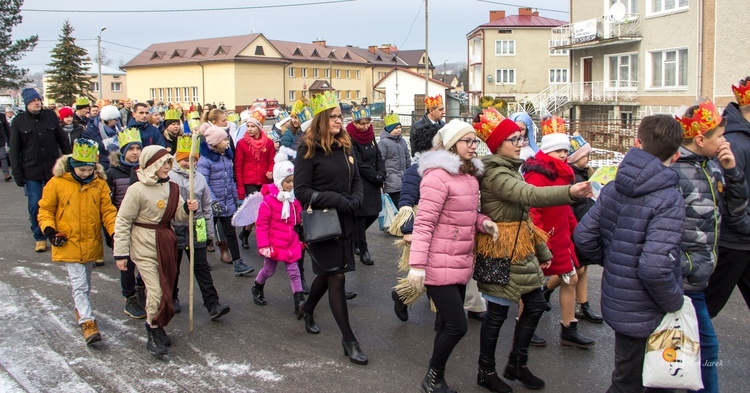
150 135
635 228
409 194
219 173
93 132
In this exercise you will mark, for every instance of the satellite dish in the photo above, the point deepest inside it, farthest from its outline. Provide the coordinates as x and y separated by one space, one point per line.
617 11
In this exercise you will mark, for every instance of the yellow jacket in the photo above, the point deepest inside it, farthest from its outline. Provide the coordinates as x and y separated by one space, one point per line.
78 210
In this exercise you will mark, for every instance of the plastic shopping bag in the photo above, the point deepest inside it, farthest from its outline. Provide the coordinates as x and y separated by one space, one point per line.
673 353
387 212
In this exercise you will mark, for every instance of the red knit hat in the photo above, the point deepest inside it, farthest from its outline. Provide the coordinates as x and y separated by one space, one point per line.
65 112
493 128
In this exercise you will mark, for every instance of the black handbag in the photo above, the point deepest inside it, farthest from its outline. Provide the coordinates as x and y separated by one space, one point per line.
492 270
320 224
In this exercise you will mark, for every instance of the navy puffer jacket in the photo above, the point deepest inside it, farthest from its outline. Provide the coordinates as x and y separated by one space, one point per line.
219 173
635 228
410 194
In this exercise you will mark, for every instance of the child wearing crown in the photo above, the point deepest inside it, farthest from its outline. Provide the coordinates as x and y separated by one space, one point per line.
144 233
172 129
396 155
711 190
75 204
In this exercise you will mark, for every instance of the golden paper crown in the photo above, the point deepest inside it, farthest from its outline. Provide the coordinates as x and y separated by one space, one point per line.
302 111
172 114
233 117
185 144
742 93
82 101
360 112
391 119
553 125
323 101
488 121
129 135
103 103
705 118
85 150
258 115
432 102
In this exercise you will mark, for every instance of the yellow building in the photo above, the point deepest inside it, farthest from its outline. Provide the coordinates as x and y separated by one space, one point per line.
240 69
114 83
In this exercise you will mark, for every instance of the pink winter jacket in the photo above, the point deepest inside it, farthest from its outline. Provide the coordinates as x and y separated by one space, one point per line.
447 220
272 231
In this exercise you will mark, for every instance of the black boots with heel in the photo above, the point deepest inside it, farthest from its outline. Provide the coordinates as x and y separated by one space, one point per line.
351 349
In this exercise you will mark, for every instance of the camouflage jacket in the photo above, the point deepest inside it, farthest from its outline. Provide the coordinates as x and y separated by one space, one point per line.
710 193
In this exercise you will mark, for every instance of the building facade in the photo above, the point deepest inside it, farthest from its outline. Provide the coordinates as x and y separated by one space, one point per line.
114 83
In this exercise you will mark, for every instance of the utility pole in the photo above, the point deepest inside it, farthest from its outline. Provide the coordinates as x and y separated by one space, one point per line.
444 69
426 55
330 71
99 58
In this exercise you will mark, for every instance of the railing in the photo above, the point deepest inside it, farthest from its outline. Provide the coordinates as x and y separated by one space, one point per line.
553 99
476 86
475 58
604 28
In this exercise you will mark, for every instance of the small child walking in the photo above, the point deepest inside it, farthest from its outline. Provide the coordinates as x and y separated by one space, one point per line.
74 205
277 241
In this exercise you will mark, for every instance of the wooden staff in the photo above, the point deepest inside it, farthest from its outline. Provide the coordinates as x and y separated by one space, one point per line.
191 224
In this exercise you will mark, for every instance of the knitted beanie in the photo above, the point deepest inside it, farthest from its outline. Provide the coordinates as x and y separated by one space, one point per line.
214 135
555 141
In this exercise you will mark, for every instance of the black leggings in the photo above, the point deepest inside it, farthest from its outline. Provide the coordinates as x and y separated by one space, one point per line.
449 301
363 222
230 236
129 280
335 285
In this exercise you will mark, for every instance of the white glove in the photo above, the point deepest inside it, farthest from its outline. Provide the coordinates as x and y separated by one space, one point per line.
416 279
491 229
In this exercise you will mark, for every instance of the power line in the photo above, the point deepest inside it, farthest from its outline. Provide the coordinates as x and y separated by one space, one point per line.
523 6
187 10
419 12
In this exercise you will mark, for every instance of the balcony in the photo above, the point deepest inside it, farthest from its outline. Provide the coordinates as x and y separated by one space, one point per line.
475 58
476 86
603 92
598 32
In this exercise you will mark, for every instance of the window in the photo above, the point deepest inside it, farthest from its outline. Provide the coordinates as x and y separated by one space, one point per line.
505 48
177 94
669 68
161 94
348 75
623 70
152 93
357 93
356 74
185 94
338 94
304 72
338 74
631 6
667 6
558 52
169 94
116 86
291 95
94 86
304 93
558 75
195 94
315 72
291 72
259 51
505 77
327 73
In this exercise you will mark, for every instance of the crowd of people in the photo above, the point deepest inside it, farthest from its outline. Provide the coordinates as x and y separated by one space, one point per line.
479 234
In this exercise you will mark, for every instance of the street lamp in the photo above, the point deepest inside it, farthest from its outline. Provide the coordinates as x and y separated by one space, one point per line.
330 72
99 58
444 67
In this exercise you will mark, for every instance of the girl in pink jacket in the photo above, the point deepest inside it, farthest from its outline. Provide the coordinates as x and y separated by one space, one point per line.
441 255
277 241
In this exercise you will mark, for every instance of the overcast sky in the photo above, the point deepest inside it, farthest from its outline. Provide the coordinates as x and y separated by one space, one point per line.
359 23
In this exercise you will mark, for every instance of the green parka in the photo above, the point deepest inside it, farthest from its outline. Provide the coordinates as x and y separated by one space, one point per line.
506 198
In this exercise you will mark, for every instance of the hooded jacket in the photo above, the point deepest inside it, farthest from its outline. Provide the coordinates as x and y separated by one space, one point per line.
77 210
202 195
634 230
397 159
118 178
709 194
735 231
218 171
273 231
448 220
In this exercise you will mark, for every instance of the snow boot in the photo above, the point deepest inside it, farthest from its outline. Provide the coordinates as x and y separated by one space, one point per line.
226 256
90 332
258 296
299 301
154 343
240 268
569 336
133 309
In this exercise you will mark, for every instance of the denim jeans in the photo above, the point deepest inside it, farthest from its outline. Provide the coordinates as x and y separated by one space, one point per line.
80 283
709 344
33 192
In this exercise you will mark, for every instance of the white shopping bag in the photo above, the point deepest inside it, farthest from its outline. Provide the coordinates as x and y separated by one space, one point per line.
673 353
387 212
248 213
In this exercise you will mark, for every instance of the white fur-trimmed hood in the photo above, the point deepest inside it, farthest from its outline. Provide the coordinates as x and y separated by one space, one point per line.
447 161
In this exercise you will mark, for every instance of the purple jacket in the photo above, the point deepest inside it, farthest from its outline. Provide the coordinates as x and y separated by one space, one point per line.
219 173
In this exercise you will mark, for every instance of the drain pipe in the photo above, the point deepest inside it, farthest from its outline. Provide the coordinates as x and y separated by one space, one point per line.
700 50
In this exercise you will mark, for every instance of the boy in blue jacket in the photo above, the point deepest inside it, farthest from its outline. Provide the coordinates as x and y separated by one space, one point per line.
634 231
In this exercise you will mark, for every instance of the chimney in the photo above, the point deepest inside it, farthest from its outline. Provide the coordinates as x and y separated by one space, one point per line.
535 13
525 11
495 15
320 41
386 48
372 48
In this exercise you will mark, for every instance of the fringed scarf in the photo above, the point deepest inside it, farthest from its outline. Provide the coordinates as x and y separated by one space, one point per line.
256 145
528 237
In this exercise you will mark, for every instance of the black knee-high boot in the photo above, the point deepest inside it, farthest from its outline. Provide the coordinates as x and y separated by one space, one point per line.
488 335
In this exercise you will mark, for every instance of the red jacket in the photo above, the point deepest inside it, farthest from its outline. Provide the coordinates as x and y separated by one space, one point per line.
558 221
248 169
272 231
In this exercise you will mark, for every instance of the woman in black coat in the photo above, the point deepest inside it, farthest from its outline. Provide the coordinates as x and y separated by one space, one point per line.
372 170
325 165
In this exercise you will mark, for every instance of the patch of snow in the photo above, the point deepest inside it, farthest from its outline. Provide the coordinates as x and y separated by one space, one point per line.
41 275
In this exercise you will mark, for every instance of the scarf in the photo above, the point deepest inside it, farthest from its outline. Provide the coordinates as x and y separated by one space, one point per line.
256 145
286 198
127 164
68 128
361 137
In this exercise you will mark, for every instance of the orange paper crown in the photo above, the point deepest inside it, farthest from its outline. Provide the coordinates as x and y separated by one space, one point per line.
258 115
488 121
553 125
432 102
742 93
705 118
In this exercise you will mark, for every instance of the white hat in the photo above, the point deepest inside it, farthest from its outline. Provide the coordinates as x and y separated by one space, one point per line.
451 133
304 126
109 112
282 167
244 115
556 141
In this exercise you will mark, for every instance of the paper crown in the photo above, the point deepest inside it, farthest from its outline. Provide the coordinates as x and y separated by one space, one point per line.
323 101
742 93
576 142
283 115
553 125
85 150
432 102
391 119
360 112
185 144
705 118
302 111
194 115
489 119
258 115
172 114
129 135
82 102
233 117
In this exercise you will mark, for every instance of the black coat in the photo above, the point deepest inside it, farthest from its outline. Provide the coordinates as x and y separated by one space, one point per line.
371 168
36 142
334 177
422 123
4 129
75 134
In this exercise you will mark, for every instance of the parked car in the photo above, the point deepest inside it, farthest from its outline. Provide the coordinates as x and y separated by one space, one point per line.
271 107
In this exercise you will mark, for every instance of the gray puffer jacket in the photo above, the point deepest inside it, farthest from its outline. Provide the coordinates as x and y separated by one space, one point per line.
202 195
397 159
709 194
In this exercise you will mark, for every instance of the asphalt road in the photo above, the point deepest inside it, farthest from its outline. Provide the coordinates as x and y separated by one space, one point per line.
265 349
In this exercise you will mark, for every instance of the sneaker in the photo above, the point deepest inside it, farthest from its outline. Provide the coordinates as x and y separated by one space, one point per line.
8 177
41 246
217 311
133 309
90 332
99 262
240 268
177 307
